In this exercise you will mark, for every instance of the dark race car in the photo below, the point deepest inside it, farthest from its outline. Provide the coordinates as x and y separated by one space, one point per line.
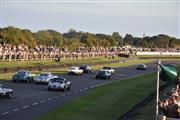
23 76
104 74
141 67
86 68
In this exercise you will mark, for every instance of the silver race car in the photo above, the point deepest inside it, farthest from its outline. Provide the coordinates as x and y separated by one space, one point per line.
44 77
5 91
59 84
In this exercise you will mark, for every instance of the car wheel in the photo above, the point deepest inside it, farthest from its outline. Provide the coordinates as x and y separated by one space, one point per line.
69 88
63 89
49 88
7 95
14 81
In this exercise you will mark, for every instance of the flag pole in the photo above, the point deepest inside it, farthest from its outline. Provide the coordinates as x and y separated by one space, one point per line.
157 89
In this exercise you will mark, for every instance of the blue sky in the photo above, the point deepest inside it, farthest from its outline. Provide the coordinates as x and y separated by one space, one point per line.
135 16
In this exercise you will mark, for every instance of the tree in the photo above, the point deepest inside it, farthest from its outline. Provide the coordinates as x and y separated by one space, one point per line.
118 38
128 39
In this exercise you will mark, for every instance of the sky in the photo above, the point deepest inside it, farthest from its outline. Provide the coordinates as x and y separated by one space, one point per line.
136 17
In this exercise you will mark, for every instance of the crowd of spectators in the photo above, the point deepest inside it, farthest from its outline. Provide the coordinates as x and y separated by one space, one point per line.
22 52
171 105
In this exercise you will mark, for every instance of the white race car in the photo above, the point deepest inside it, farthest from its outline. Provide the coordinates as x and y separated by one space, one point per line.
5 91
75 71
44 77
59 84
111 70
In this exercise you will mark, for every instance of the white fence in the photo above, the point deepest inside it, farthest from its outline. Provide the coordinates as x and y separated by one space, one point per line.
159 53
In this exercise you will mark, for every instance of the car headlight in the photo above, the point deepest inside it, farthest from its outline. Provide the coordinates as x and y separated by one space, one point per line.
62 85
25 76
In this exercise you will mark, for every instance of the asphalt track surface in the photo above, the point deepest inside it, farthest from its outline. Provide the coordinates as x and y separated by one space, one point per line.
31 100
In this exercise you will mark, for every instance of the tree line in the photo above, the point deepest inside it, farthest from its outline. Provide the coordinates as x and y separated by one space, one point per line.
72 39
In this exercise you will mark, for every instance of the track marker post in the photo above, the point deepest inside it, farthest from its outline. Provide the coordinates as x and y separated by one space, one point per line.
157 89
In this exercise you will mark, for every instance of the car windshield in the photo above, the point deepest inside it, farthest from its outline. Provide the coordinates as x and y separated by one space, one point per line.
73 68
22 72
106 67
44 74
81 67
101 72
60 80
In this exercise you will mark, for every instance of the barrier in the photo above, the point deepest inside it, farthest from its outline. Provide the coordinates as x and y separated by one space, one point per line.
158 53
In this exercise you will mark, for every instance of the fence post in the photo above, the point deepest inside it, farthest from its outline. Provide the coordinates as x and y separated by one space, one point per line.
5 69
39 68
30 68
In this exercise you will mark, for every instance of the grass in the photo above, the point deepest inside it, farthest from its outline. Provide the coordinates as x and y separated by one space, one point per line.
148 112
107 102
11 64
8 76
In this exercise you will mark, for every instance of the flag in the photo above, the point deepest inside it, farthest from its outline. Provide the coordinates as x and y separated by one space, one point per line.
168 73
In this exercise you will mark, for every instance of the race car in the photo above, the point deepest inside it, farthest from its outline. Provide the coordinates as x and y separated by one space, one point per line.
5 91
104 74
85 68
111 70
59 83
23 76
75 71
141 67
44 77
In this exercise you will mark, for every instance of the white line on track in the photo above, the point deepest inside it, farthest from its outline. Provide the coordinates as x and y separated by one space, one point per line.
4 113
56 97
75 91
42 101
69 93
25 106
49 99
91 86
34 104
15 110
80 90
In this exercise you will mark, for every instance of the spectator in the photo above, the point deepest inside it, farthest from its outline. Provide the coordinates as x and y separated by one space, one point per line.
171 106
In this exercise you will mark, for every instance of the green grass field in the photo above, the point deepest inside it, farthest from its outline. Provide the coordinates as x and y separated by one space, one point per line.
53 62
149 111
8 76
107 102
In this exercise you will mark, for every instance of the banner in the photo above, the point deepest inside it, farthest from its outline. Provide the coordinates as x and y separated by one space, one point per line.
168 73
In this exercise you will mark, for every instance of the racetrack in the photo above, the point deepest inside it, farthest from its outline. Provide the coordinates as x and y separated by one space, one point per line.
30 100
